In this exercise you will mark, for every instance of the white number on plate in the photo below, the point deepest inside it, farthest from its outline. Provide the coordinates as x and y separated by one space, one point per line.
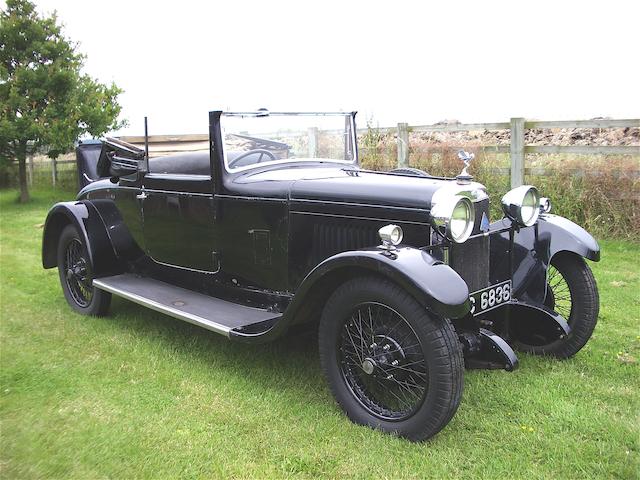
493 297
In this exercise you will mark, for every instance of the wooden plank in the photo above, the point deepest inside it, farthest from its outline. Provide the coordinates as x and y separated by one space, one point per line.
596 123
192 137
364 131
541 171
585 149
54 171
461 127
559 149
403 145
496 148
517 152
30 170
313 142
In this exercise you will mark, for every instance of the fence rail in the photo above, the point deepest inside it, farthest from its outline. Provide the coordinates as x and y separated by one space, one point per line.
517 127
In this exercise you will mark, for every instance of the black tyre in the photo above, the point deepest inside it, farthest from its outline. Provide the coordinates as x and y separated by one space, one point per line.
76 276
389 364
573 293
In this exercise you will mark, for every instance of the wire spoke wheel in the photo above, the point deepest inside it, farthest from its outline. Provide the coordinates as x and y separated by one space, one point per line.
559 294
390 364
382 361
77 275
572 292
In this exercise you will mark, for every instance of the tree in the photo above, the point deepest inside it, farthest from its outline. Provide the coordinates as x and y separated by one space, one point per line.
46 102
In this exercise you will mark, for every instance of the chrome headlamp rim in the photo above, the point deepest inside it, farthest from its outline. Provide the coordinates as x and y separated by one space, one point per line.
513 203
442 214
545 205
391 235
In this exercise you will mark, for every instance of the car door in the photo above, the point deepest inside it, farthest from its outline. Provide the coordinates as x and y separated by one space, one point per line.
178 220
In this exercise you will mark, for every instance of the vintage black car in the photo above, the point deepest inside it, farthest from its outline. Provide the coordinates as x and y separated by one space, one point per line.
402 273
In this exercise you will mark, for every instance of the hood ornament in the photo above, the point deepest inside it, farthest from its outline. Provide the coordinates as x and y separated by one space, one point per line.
464 178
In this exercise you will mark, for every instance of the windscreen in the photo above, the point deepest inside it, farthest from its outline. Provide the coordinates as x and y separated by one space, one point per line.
252 140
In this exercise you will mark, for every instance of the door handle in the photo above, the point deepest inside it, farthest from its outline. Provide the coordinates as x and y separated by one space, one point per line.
141 196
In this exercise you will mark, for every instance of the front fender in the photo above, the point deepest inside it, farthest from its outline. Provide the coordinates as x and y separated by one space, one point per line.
435 285
84 216
564 235
533 249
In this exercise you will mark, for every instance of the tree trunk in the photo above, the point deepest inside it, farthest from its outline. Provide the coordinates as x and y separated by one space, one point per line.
22 172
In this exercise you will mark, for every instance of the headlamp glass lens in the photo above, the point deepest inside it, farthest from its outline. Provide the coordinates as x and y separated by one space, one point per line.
396 235
460 220
530 207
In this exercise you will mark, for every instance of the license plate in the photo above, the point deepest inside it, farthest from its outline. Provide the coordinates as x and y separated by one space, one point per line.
490 297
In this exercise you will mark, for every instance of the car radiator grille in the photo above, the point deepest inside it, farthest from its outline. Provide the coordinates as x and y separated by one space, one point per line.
471 258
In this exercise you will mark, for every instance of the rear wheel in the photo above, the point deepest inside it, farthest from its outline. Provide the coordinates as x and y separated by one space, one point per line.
389 364
76 275
573 293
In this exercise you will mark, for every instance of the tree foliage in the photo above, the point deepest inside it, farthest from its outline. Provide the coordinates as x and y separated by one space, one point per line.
46 102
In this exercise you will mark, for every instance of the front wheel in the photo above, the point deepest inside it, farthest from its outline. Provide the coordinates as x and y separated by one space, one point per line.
389 364
573 293
76 275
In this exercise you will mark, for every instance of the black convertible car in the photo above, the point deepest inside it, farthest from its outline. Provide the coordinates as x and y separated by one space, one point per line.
404 275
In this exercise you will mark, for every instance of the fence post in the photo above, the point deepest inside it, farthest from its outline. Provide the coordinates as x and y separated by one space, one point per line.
313 142
517 152
403 145
54 171
30 169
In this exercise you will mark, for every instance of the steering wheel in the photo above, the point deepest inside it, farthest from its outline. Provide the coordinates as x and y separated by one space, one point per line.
261 151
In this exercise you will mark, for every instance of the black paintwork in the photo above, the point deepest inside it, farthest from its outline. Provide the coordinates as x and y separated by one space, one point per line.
282 237
87 154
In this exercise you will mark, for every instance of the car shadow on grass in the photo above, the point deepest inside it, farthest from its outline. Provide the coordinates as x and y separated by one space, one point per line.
290 360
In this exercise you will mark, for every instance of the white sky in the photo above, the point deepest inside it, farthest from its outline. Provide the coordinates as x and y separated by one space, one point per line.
393 61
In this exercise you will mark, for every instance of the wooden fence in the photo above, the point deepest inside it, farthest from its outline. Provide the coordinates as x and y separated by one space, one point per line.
517 127
165 144
517 149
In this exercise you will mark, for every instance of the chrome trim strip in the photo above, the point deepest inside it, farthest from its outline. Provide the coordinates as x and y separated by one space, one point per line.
353 204
425 224
177 192
171 265
248 198
158 307
176 176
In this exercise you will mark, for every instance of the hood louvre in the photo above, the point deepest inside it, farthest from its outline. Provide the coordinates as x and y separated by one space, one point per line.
336 237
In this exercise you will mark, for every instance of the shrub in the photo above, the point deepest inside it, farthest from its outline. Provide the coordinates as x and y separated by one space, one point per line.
601 193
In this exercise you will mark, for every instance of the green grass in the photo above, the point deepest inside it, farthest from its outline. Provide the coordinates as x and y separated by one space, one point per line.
138 394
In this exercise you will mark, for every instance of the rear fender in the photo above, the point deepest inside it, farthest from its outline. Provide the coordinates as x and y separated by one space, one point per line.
84 216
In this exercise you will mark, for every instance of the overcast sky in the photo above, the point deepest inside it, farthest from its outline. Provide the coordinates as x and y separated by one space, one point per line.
393 61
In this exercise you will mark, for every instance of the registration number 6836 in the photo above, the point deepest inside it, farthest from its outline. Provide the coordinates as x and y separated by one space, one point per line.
490 297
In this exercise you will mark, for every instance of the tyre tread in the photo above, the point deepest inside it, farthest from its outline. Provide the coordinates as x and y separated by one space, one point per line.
447 360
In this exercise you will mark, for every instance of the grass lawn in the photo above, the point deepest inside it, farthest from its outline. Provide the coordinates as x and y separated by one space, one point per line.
138 394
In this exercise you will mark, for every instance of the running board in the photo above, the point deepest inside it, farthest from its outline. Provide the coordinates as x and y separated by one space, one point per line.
208 312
